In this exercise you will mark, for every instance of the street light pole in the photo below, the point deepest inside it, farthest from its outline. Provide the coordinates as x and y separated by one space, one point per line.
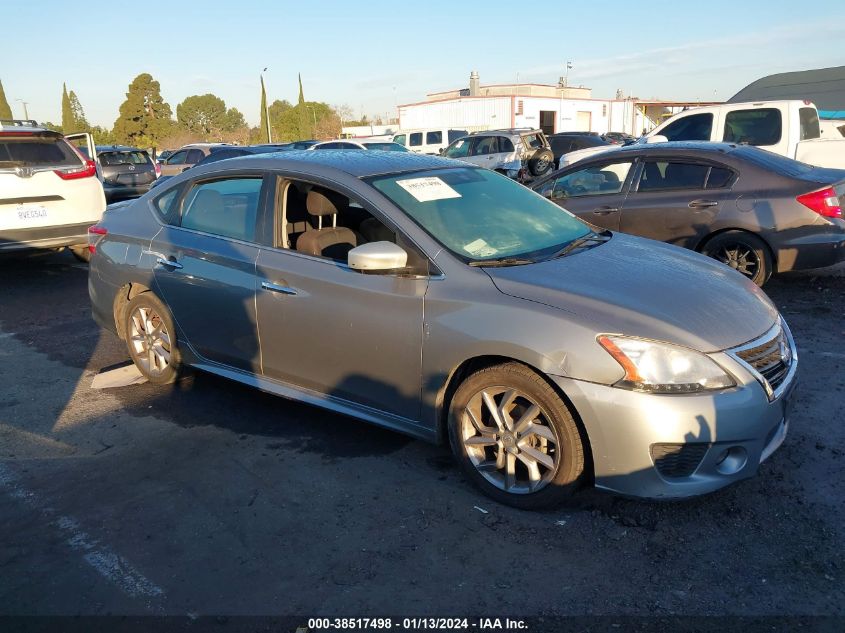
266 108
25 112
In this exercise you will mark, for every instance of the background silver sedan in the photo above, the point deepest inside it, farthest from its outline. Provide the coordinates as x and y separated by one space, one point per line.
447 301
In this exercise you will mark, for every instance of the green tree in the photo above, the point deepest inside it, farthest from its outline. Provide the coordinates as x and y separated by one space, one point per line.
78 120
5 110
277 110
102 136
145 118
67 113
234 120
202 114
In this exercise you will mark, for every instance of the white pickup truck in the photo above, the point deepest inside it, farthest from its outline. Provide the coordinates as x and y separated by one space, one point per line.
789 128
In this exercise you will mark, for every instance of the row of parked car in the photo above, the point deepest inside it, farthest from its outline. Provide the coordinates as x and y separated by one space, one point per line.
443 300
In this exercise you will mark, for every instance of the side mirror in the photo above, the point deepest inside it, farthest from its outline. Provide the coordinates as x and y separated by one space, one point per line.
382 256
441 151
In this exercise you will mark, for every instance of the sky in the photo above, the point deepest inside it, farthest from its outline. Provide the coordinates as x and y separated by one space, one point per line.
373 55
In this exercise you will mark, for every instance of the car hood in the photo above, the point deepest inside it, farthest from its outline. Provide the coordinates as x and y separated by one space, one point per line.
639 287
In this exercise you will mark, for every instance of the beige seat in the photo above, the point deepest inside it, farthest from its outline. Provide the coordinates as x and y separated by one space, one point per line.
331 241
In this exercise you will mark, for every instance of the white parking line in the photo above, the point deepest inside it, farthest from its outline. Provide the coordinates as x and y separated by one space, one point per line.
102 558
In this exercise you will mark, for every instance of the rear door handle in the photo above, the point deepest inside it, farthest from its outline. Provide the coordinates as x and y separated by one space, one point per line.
702 204
605 210
285 290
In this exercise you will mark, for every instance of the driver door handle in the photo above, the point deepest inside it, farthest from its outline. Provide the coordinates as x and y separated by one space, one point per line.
285 290
605 210
703 204
169 263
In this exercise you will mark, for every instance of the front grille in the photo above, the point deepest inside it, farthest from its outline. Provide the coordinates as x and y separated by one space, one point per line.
771 359
678 460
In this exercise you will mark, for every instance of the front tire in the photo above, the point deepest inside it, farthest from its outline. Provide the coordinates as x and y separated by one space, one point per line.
151 339
744 252
515 438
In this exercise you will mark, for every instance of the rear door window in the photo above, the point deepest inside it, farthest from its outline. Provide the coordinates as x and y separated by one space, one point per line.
37 152
695 127
809 123
228 208
659 175
194 156
484 146
505 145
761 126
433 138
719 177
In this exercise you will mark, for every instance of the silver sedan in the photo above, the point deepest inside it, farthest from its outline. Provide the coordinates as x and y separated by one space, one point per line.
452 304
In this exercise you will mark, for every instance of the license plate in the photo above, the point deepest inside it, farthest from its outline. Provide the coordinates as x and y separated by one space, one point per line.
30 212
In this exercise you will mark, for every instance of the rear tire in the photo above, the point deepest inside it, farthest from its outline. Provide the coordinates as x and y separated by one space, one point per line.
515 438
151 339
81 253
744 252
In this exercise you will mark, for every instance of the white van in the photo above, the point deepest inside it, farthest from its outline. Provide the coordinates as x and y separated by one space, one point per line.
49 193
428 140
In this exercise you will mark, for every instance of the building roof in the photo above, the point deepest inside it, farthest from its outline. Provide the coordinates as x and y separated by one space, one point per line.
823 86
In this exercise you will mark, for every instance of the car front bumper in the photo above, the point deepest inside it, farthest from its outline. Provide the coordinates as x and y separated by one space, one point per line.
675 446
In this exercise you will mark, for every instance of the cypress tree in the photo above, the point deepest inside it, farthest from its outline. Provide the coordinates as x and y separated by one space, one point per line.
5 110
67 112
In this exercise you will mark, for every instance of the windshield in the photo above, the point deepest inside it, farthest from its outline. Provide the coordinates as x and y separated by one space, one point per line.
481 215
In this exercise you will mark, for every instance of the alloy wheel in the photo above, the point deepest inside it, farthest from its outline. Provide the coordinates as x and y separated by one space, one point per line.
150 340
740 257
509 440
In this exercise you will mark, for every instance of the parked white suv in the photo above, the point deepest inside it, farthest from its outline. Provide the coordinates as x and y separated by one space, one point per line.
427 140
49 193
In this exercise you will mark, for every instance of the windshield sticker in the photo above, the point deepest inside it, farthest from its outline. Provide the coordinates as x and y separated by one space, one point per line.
428 189
480 248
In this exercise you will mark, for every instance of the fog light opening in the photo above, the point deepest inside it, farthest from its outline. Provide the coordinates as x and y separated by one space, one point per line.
731 460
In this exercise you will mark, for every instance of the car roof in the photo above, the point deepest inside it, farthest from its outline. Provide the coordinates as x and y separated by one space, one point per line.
118 148
676 147
357 164
510 130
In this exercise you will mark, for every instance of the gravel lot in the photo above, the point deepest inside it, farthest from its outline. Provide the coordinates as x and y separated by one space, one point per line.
208 497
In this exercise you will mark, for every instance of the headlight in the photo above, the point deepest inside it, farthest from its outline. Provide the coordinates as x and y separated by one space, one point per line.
663 367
